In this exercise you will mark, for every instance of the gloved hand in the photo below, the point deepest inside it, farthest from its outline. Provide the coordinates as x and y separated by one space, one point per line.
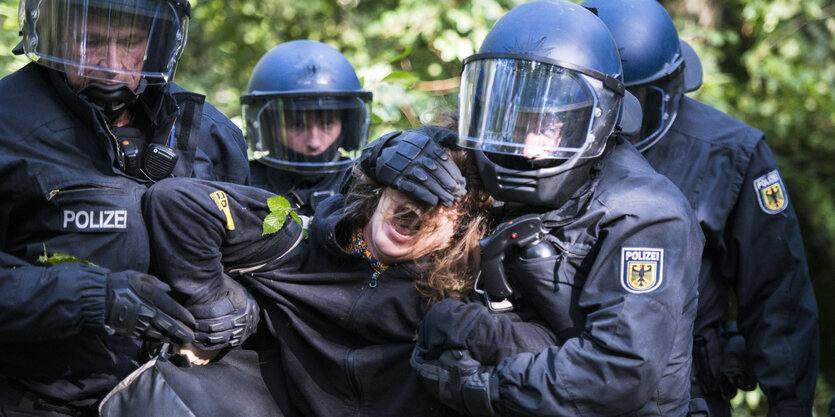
227 321
415 163
458 381
488 337
736 372
138 305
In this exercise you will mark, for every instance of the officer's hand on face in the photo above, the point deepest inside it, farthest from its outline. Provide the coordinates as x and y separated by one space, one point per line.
227 321
458 381
138 305
415 163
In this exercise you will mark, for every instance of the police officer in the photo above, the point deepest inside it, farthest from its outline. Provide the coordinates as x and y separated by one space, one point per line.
306 117
753 246
601 250
84 130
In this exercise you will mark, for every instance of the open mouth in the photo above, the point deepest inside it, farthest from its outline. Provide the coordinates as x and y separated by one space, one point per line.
406 219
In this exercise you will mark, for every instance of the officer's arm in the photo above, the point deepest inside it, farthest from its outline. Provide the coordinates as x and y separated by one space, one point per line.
616 363
223 145
46 303
777 309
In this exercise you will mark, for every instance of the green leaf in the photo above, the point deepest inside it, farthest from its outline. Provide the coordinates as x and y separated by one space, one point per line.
401 77
60 258
278 203
273 223
402 55
296 217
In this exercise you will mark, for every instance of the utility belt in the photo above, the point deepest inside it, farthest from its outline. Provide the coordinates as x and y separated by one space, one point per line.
17 401
720 362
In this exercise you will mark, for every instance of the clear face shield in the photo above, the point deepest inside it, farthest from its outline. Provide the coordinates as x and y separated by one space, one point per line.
659 103
118 40
307 134
528 109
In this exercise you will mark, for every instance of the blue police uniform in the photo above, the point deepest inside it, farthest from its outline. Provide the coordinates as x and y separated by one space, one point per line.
620 296
62 192
753 247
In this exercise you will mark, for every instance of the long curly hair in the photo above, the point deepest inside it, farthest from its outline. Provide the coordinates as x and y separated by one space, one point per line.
450 271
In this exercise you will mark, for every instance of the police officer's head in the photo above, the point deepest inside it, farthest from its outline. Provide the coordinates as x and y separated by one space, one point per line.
304 109
657 67
540 101
110 50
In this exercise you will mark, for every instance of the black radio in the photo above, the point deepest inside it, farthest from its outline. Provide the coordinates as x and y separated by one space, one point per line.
129 157
157 162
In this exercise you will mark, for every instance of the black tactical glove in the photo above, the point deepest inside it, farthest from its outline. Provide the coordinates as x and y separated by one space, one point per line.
736 372
415 163
489 338
458 381
227 321
137 305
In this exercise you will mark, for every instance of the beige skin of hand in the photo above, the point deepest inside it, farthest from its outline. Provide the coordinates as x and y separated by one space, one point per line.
196 355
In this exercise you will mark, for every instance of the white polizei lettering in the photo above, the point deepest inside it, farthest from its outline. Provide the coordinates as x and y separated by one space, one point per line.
96 219
69 217
93 224
642 255
78 216
108 219
121 219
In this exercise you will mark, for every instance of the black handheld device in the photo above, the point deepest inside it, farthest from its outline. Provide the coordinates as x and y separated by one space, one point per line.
525 232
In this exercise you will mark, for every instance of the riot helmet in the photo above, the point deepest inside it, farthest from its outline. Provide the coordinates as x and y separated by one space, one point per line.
304 109
658 67
541 99
109 50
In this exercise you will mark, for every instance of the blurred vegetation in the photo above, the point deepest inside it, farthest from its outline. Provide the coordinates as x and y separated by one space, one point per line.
770 63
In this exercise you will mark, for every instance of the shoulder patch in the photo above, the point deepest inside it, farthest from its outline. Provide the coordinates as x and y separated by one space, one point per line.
771 193
219 197
641 269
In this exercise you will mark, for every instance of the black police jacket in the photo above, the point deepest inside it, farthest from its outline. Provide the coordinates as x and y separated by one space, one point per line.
304 190
753 247
620 295
61 192
343 332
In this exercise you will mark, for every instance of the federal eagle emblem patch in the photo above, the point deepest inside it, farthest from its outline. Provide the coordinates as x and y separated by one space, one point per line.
771 193
219 197
642 269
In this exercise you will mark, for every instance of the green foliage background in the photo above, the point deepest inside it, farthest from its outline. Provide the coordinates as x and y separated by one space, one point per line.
770 63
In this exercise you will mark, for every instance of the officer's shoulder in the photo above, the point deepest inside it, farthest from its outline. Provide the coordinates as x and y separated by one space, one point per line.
629 182
209 111
25 85
30 101
701 122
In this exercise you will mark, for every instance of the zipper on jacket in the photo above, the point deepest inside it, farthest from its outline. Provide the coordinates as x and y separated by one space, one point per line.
116 148
373 282
80 187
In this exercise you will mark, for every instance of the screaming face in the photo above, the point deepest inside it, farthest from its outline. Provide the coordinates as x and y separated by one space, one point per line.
400 230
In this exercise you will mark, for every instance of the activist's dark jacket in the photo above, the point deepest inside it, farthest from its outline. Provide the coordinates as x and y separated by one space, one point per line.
61 192
621 297
344 334
304 190
753 247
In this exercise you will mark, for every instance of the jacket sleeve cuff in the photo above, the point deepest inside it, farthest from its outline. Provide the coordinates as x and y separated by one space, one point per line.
92 293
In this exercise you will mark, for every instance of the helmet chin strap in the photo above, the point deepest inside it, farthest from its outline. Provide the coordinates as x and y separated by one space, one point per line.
112 100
